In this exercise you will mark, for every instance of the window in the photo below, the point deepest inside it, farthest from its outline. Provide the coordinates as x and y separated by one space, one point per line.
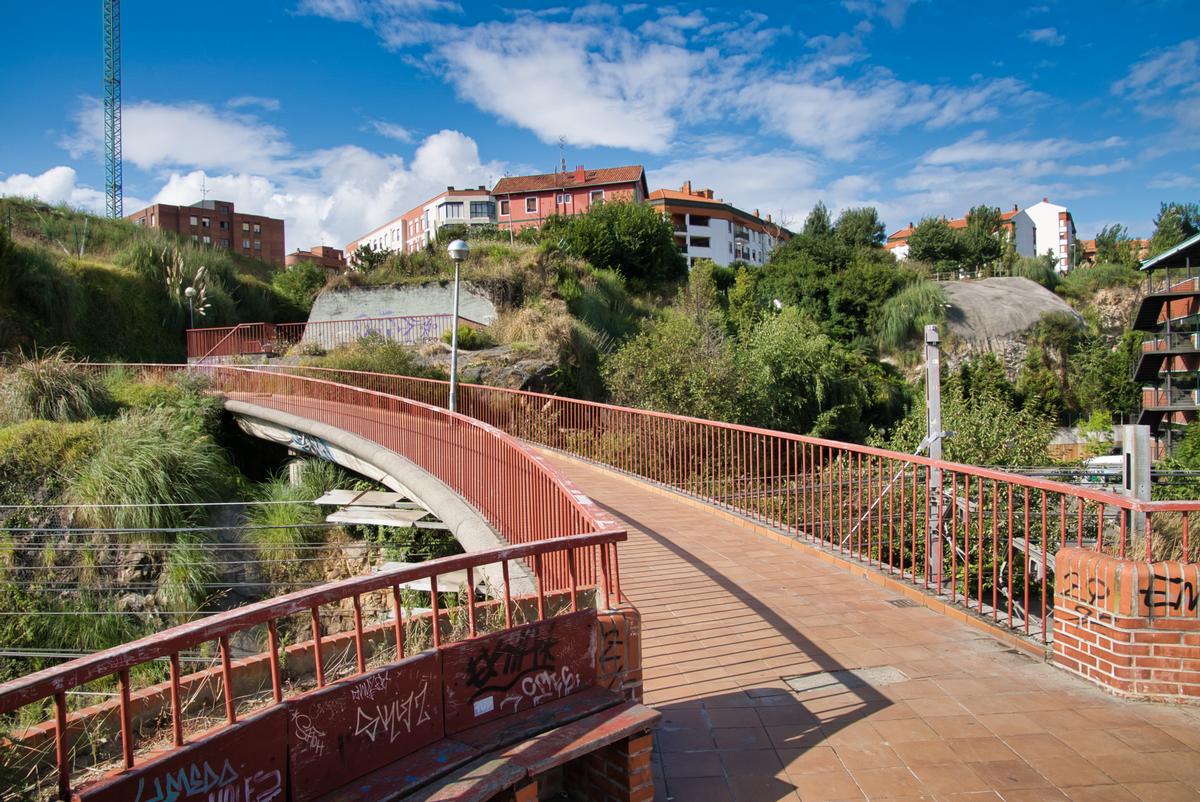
151 218
483 209
207 240
531 205
223 224
452 211
224 243
205 222
595 196
246 244
257 228
195 238
141 221
700 242
258 245
563 199
504 208
699 221
193 220
246 227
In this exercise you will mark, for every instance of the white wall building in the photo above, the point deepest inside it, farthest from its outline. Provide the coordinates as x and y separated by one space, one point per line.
1046 227
416 228
708 228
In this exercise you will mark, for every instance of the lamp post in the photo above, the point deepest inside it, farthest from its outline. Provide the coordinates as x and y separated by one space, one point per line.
190 292
458 251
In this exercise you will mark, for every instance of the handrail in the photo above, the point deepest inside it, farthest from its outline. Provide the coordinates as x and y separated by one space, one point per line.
82 670
220 342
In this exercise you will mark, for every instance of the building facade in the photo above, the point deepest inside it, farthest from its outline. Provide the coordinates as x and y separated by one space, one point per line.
1042 228
219 225
530 200
1046 227
332 259
418 227
708 228
1169 366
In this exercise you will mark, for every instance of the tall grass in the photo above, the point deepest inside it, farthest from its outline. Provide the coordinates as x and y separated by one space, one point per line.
50 385
1083 282
375 354
287 522
903 317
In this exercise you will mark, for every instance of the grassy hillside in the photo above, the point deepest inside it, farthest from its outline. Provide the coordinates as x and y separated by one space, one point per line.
109 289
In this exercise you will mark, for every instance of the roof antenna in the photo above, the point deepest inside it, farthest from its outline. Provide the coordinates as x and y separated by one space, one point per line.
203 188
562 154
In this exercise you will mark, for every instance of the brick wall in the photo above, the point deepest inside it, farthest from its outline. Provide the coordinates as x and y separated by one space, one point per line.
619 651
619 772
1132 627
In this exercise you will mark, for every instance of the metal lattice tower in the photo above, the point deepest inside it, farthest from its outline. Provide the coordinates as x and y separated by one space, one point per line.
112 108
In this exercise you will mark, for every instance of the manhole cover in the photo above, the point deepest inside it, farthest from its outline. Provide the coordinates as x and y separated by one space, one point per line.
847 678
904 603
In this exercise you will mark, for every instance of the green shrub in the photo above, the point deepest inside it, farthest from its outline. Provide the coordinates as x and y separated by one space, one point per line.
375 355
287 520
37 457
152 456
300 284
180 395
1083 282
1041 269
471 339
51 386
903 317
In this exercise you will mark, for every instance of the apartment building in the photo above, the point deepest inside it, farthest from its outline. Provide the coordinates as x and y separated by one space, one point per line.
418 227
1042 228
1169 366
707 227
218 224
332 259
530 200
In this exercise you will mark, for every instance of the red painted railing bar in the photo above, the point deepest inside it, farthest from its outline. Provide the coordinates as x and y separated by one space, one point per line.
318 658
507 595
541 591
471 601
126 719
62 754
273 645
398 622
1044 540
435 612
176 706
227 680
360 647
574 579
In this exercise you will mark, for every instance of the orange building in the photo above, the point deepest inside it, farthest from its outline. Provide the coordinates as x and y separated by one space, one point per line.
707 227
332 259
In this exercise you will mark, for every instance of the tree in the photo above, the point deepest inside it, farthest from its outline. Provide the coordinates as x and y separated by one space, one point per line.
818 223
860 227
1114 246
934 241
366 258
1174 223
300 284
980 240
631 238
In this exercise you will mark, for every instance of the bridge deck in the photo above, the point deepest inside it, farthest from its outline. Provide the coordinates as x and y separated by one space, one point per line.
728 614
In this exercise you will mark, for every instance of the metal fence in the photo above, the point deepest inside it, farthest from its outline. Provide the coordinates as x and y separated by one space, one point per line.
984 538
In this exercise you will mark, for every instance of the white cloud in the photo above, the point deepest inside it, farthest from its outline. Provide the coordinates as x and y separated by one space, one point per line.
333 196
894 11
591 85
264 103
393 131
1174 181
56 185
1045 36
159 135
1168 85
977 148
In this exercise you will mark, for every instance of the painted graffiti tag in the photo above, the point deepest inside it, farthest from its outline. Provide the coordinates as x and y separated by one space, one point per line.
368 688
1086 596
537 688
1177 594
312 737
386 719
313 445
529 651
264 786
193 780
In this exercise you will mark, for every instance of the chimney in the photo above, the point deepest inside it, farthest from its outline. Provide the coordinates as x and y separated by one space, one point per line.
1015 209
449 189
579 174
708 193
756 212
686 188
1045 200
481 187
768 218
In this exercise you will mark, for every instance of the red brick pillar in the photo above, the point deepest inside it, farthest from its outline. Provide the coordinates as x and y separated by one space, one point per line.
619 651
1133 627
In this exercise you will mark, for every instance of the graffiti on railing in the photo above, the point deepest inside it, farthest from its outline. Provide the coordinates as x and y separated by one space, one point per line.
385 719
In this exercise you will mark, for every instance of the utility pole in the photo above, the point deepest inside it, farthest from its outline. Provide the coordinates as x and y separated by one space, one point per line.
933 434
113 200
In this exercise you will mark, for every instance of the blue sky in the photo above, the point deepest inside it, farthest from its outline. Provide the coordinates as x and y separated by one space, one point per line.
339 114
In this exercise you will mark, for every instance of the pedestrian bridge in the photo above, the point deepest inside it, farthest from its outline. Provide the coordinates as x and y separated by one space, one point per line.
811 619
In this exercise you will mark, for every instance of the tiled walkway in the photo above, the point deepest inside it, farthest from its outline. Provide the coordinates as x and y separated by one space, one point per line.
727 614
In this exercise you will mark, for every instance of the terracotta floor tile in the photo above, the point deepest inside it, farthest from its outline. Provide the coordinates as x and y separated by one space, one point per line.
904 730
762 762
981 750
889 782
867 756
953 778
1100 793
699 790
1162 792
826 786
762 788
741 738
925 753
809 761
691 764
1010 775
1064 772
734 717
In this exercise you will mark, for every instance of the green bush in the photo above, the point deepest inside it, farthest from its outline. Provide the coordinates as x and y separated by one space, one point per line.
1082 283
375 355
300 284
904 316
51 386
287 522
180 395
631 238
471 339
37 457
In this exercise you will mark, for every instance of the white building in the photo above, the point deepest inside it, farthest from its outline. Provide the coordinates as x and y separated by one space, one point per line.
1046 227
416 228
708 228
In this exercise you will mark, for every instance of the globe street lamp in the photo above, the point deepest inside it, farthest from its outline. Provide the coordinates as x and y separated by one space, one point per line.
190 292
458 251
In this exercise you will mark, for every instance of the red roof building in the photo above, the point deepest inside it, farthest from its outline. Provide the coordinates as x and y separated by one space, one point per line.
530 200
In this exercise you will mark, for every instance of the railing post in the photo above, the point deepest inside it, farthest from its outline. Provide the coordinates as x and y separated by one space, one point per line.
933 432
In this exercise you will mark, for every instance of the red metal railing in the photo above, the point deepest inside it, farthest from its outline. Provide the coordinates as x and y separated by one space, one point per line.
390 636
980 537
248 339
